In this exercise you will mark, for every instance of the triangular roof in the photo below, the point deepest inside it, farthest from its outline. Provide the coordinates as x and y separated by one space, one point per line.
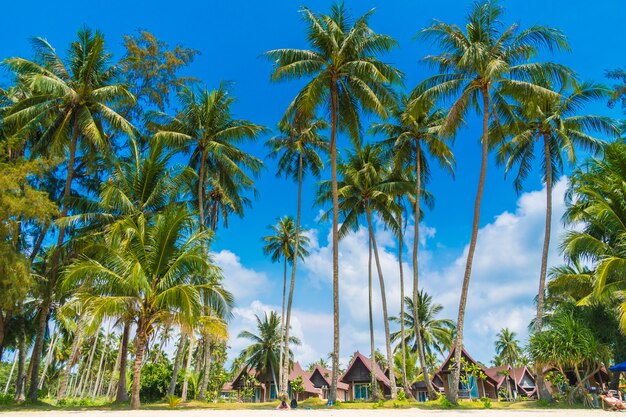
444 365
380 375
297 371
497 373
323 372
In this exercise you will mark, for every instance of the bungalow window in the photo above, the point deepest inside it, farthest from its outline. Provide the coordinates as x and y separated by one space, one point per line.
361 391
421 397
273 395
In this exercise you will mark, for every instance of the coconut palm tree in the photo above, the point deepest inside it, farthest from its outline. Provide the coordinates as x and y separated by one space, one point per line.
437 334
263 354
344 76
409 138
476 63
71 102
366 189
205 129
298 144
158 271
508 350
554 123
282 245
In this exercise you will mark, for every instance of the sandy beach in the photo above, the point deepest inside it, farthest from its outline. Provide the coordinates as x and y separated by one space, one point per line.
302 413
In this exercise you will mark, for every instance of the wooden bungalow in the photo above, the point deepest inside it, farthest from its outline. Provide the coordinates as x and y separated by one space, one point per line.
418 389
475 387
513 381
264 388
321 378
599 380
358 378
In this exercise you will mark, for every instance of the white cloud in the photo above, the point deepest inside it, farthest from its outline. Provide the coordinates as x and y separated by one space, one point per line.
243 282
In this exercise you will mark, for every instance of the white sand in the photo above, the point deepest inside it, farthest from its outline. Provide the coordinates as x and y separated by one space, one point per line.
303 413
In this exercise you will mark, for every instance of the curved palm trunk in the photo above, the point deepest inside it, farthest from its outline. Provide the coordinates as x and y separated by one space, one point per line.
140 346
542 390
381 280
405 382
281 348
294 262
20 381
371 317
76 344
53 342
177 361
417 329
48 292
332 395
122 395
96 387
458 343
115 371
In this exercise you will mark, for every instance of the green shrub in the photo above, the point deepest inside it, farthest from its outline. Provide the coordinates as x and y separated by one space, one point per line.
155 380
543 403
173 401
445 404
401 395
6 399
486 402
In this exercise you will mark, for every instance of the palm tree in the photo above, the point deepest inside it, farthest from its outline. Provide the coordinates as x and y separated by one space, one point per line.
282 244
70 101
344 75
414 133
509 350
553 121
205 128
475 65
263 354
366 188
158 271
299 145
437 334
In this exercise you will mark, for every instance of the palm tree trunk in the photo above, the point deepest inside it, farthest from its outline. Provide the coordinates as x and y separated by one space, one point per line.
71 360
20 381
417 325
205 361
371 317
179 357
6 387
392 375
89 363
332 395
296 249
405 382
100 366
122 395
542 390
458 343
282 328
5 318
53 343
187 368
114 372
47 296
140 346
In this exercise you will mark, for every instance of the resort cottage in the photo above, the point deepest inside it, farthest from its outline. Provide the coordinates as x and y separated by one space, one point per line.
358 378
513 381
321 378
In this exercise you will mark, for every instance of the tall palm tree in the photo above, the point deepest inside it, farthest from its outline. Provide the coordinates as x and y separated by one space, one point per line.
205 128
366 188
282 245
476 63
263 354
409 137
437 334
299 145
158 271
345 76
554 123
508 350
70 101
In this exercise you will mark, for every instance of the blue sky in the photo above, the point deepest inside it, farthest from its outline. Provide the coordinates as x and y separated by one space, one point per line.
232 35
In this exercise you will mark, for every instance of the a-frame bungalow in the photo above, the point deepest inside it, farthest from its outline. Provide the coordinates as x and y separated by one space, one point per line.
419 391
475 387
358 378
513 381
321 378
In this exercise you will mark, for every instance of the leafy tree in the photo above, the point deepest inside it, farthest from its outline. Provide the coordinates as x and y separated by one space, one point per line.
475 65
344 76
70 100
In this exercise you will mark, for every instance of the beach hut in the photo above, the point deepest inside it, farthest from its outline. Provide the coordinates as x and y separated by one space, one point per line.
321 378
474 387
358 378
